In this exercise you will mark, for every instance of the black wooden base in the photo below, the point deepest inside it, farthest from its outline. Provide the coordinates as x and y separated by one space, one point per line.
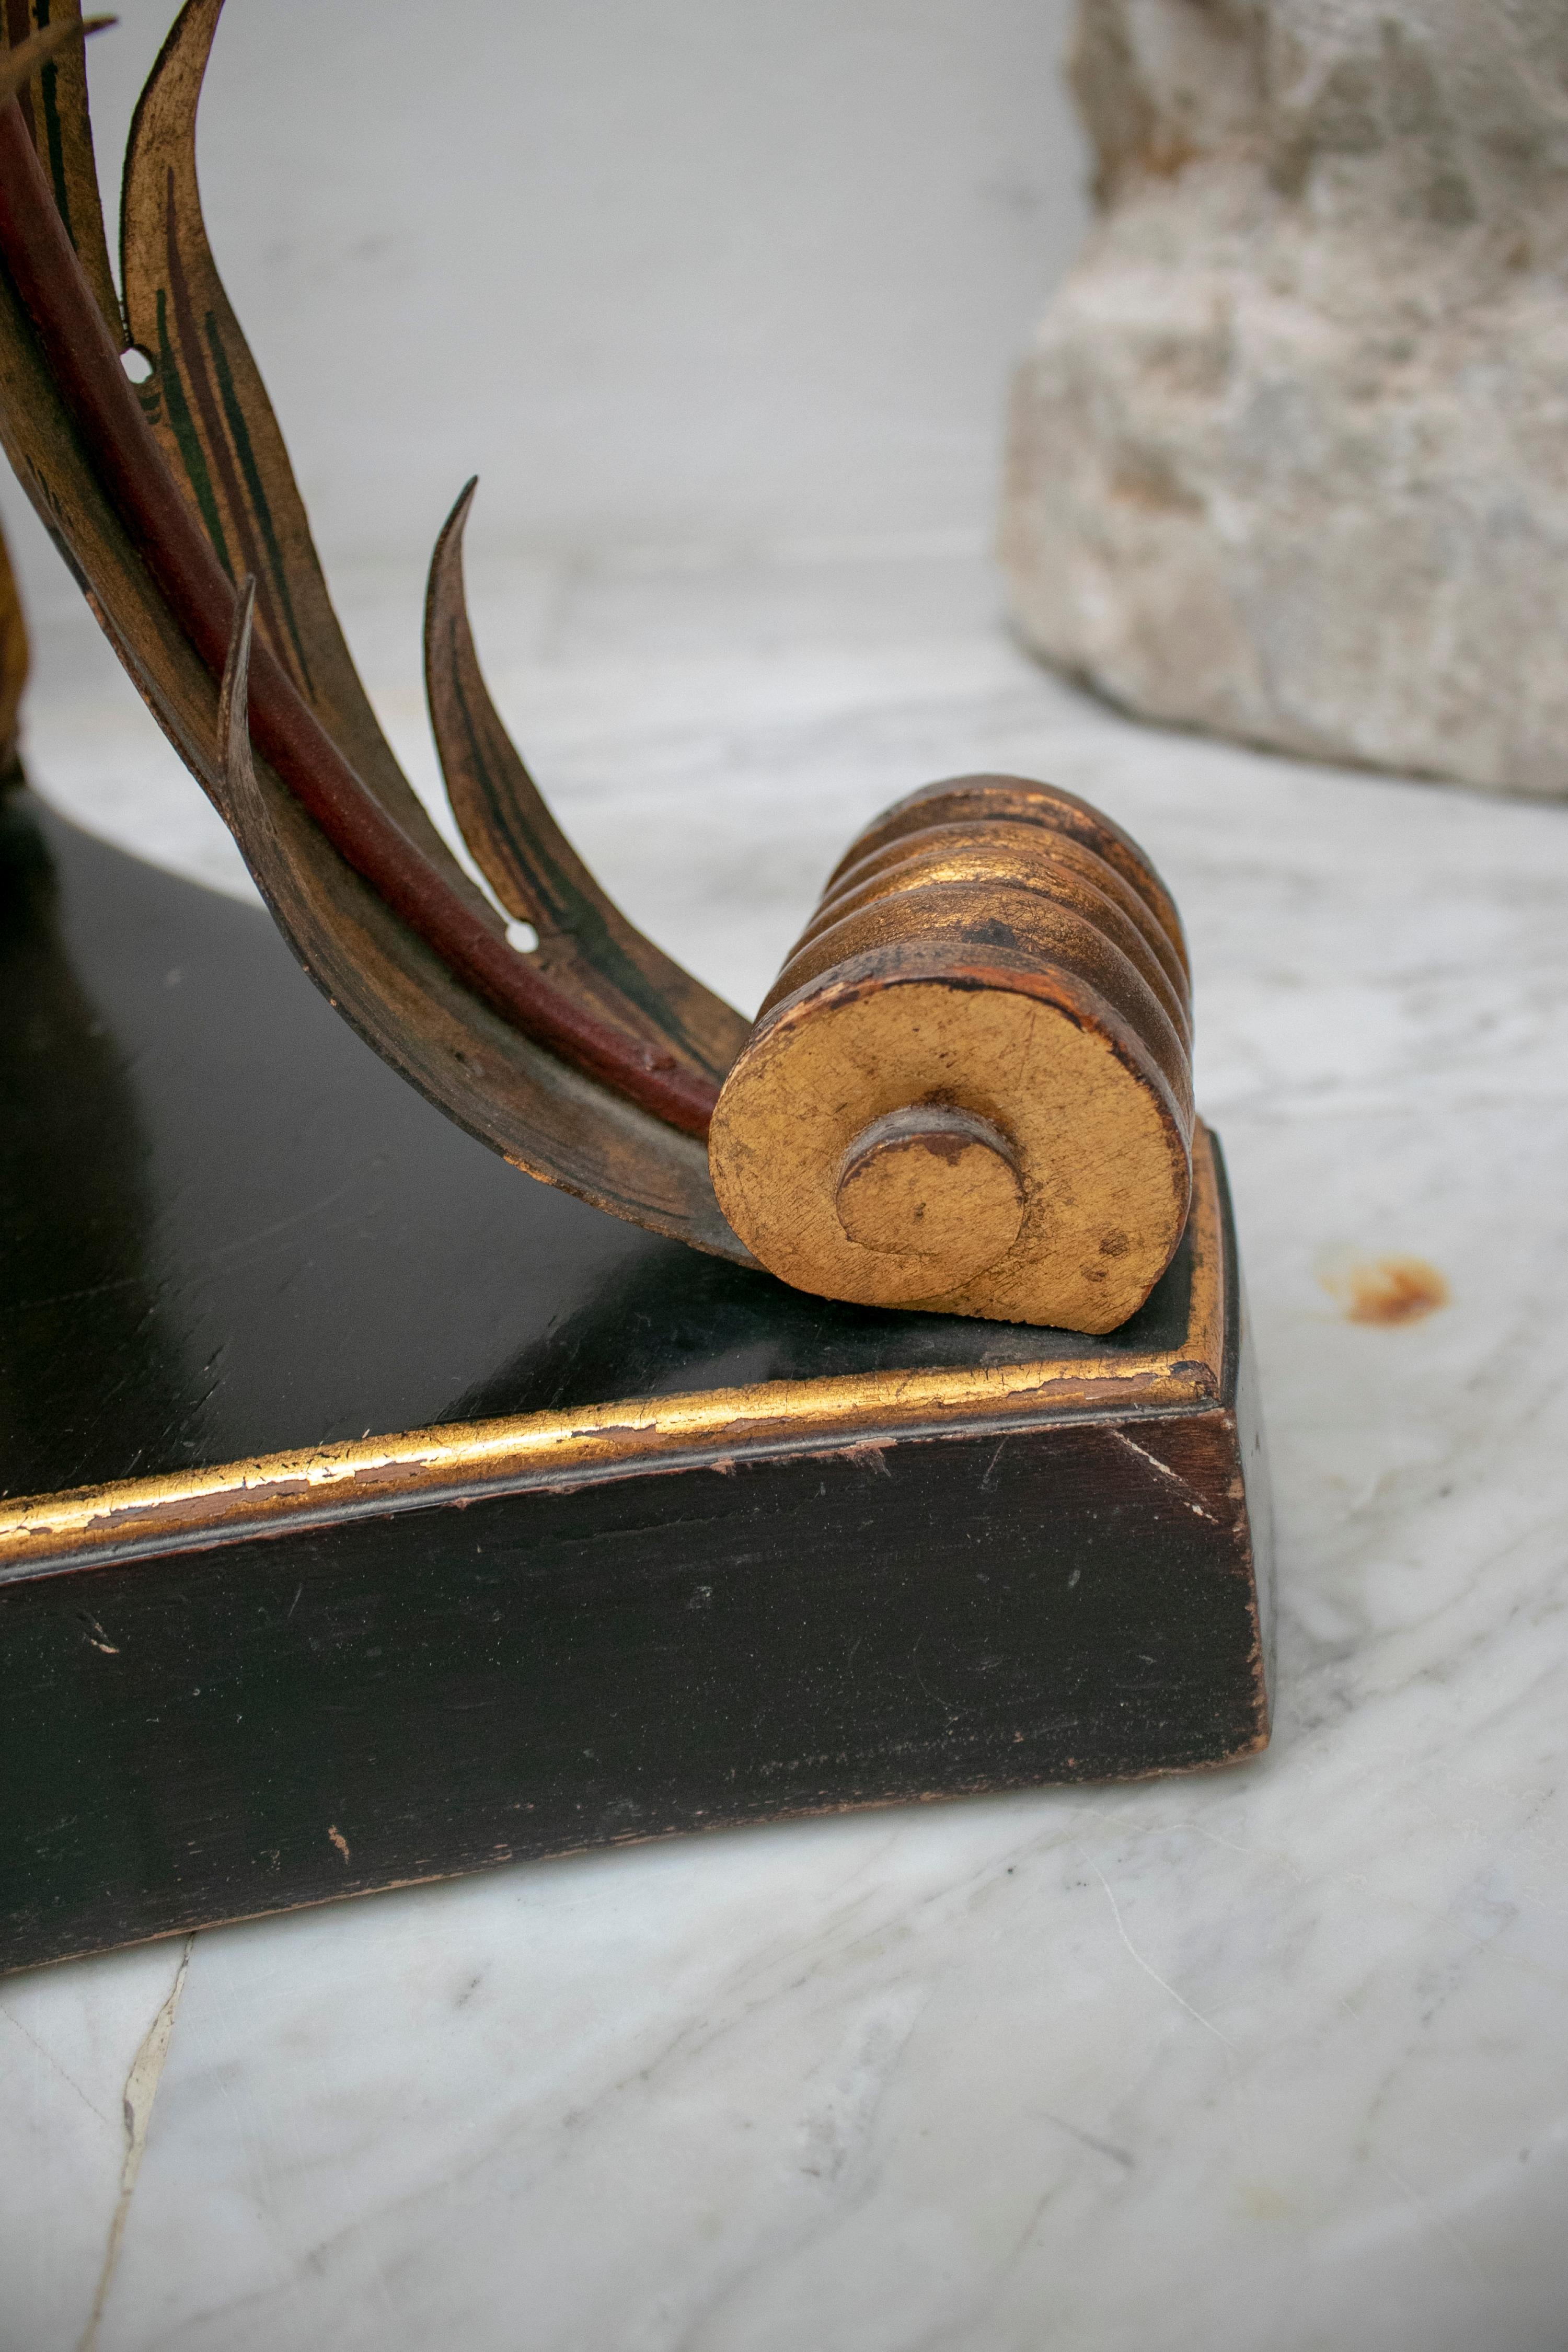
661 1546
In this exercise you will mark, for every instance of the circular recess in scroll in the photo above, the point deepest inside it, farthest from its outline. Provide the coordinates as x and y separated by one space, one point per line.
1086 1121
931 1183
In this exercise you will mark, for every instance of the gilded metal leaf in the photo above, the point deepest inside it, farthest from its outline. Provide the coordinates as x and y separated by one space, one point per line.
370 914
586 945
547 1119
209 409
53 98
544 1117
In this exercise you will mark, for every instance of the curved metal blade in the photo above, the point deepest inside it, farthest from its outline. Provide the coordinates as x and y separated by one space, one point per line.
586 945
546 1118
46 70
392 978
208 407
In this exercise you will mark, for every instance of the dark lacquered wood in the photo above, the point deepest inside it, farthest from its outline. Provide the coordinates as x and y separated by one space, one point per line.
452 1689
229 1229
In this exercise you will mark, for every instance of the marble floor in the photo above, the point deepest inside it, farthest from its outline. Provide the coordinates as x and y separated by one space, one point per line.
1274 2061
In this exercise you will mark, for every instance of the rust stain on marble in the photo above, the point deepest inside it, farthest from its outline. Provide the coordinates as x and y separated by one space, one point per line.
1387 1290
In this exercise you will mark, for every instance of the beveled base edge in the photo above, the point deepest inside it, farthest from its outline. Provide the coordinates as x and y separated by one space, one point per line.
196 1509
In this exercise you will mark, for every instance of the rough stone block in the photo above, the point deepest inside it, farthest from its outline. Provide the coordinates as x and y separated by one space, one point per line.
1288 458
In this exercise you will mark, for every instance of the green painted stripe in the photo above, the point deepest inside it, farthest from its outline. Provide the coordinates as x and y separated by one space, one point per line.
183 426
54 132
239 433
569 908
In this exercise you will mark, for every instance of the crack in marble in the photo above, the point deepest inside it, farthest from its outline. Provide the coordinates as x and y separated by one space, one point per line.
1207 2024
141 2090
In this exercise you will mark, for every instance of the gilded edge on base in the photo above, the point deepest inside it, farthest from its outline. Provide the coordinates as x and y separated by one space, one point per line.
192 1510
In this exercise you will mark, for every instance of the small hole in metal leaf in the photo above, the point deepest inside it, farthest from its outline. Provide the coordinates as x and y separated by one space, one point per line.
136 363
522 937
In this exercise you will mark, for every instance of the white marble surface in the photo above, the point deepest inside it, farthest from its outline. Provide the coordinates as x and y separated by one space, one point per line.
1274 2061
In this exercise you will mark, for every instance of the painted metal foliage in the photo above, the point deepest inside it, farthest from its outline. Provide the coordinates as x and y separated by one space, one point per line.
592 1061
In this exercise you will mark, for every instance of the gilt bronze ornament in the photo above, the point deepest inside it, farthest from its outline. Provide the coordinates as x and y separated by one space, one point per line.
950 1183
